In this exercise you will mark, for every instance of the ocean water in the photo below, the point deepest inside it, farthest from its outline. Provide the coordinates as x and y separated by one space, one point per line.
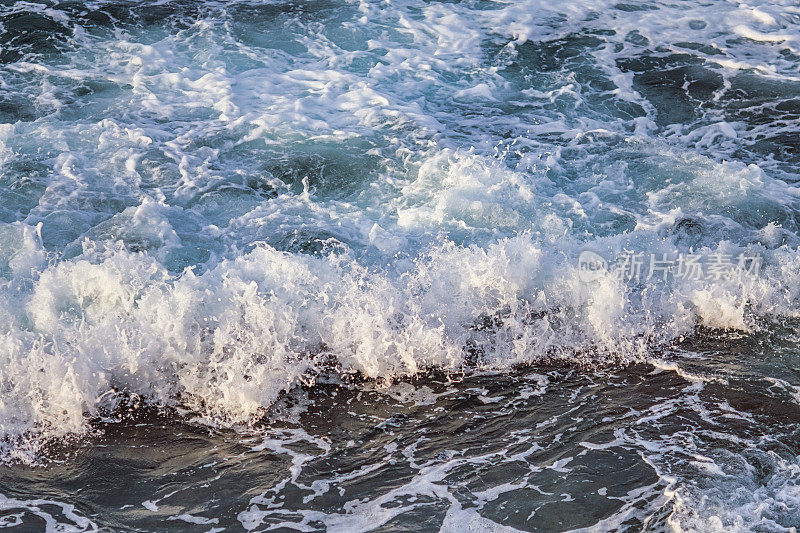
364 265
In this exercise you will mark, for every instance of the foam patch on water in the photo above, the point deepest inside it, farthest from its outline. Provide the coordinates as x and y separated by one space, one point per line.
697 462
57 516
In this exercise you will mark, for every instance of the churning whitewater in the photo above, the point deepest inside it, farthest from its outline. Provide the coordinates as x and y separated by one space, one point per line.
320 264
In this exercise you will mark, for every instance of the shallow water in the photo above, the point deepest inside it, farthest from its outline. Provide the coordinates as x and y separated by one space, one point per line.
323 265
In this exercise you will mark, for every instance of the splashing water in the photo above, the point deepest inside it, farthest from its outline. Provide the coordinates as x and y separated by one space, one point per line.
316 265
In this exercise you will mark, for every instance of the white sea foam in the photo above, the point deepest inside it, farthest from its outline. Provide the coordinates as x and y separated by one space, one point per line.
227 342
57 516
208 214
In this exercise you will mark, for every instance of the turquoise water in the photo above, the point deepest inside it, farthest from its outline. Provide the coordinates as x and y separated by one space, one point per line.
320 265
